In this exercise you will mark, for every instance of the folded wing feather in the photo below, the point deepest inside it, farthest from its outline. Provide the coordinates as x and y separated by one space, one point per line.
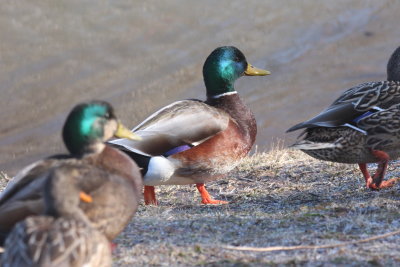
186 122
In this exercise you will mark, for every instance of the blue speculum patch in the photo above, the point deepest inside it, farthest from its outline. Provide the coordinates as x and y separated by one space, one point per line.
177 150
368 113
356 120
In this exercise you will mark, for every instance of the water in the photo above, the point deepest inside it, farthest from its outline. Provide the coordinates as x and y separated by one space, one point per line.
141 56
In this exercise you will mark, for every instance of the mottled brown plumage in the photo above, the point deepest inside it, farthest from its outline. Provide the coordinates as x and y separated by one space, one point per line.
355 102
361 126
64 236
45 241
111 178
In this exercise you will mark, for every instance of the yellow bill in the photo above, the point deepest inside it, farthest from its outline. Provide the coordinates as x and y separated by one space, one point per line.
123 132
253 71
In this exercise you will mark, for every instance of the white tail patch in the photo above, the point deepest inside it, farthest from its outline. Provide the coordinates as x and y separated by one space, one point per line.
308 145
160 170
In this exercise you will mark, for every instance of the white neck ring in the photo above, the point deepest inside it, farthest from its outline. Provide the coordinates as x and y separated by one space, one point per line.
224 94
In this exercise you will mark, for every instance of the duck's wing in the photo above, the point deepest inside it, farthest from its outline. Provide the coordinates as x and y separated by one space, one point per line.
186 122
23 195
25 179
355 103
383 128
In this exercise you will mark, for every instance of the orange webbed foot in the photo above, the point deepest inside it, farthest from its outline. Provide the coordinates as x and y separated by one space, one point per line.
376 182
384 184
206 197
389 183
213 201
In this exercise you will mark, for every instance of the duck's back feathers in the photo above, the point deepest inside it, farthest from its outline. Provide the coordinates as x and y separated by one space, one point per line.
355 102
383 128
45 241
111 178
24 178
23 195
187 122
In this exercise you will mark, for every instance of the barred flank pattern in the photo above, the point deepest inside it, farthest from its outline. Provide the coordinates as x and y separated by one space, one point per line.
348 145
383 128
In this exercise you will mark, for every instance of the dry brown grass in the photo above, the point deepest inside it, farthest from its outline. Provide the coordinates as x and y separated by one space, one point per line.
3 180
279 198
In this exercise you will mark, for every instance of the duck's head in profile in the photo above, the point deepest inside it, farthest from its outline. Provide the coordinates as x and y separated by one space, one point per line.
91 124
393 66
223 67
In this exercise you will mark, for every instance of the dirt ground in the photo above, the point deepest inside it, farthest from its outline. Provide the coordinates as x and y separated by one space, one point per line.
280 198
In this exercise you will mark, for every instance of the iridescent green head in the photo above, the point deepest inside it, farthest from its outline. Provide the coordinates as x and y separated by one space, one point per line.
223 67
89 125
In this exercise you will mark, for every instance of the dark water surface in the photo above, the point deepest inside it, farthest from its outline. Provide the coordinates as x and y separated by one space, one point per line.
142 55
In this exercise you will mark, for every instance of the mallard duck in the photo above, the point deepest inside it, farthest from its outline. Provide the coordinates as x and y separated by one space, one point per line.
193 142
361 126
111 177
64 236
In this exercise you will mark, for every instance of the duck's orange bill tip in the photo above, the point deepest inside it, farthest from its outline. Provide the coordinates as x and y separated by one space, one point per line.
85 197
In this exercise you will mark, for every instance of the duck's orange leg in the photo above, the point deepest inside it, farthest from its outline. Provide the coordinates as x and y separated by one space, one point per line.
364 170
149 195
113 246
205 196
376 182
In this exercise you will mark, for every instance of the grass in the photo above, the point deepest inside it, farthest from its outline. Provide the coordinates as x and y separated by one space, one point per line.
279 198
3 180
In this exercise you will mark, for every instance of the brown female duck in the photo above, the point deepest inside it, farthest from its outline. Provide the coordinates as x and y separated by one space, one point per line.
111 178
65 237
361 126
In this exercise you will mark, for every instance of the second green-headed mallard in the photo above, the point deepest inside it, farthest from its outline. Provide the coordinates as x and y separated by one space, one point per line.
361 126
63 236
194 142
111 178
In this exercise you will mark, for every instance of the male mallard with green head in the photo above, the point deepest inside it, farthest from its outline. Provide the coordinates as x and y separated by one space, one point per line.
112 179
361 126
64 236
193 142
